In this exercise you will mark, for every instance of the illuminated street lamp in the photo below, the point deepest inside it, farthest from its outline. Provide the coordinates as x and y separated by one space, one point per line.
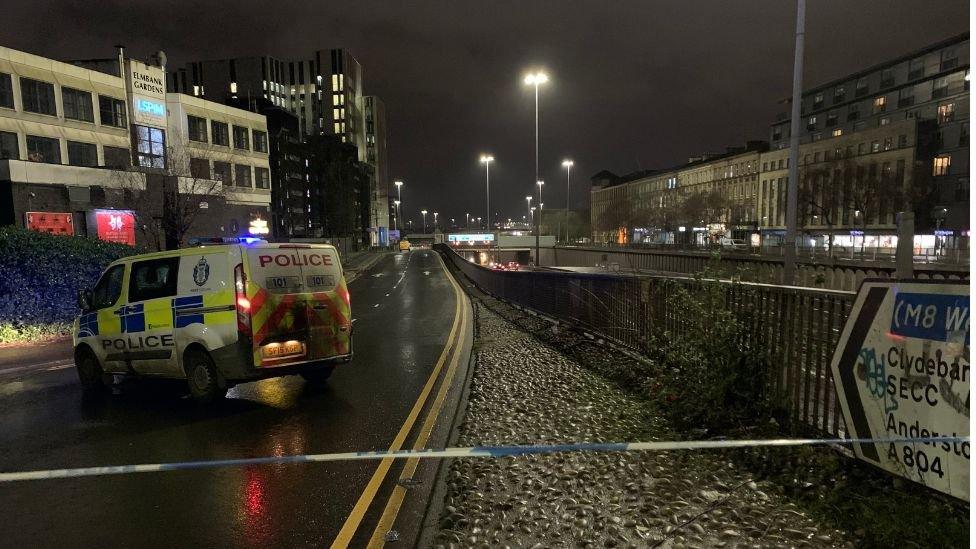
487 159
528 206
399 199
435 222
397 204
467 223
535 80
568 164
424 213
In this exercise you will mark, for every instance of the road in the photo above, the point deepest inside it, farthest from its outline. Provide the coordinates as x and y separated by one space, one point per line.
411 338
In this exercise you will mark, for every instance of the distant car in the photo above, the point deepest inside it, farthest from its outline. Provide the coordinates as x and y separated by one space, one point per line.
496 266
512 266
404 245
733 243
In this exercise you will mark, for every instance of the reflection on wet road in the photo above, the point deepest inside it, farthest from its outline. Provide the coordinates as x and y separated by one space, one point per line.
403 306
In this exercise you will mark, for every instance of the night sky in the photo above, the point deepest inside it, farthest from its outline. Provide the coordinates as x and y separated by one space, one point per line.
634 84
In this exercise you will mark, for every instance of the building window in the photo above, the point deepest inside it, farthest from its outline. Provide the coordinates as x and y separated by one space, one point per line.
884 121
940 87
875 146
887 143
38 96
262 178
950 58
43 149
906 96
117 157
946 112
818 100
150 147
200 168
6 91
218 132
831 119
8 146
887 78
221 172
77 105
861 148
940 165
838 94
902 141
837 132
242 175
916 68
812 123
853 111
861 87
260 141
197 128
964 134
860 125
817 136
241 138
880 103
111 111
82 154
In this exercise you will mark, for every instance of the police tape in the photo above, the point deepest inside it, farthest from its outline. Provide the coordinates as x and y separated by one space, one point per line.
465 452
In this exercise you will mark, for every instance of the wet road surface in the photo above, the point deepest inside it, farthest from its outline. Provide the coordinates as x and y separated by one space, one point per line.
405 308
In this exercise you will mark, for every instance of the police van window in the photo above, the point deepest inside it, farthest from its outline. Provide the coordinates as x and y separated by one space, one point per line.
108 289
153 279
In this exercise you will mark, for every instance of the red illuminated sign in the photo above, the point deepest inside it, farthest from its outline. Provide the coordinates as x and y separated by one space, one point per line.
51 222
116 226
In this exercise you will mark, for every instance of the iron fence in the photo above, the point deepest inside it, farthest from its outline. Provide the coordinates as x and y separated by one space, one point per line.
796 329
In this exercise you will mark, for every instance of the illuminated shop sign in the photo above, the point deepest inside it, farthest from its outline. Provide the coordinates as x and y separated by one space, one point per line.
114 225
150 107
51 222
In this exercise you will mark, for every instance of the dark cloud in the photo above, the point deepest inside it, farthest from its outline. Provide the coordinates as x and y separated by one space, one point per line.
635 83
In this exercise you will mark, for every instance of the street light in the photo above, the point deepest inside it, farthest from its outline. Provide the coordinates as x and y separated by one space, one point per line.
424 213
535 80
479 223
538 223
467 223
435 222
396 203
568 164
398 200
487 159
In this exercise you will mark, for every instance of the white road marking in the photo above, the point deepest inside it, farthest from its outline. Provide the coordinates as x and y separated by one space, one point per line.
51 366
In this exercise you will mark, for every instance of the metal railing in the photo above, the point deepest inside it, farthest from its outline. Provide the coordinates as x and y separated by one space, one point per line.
796 329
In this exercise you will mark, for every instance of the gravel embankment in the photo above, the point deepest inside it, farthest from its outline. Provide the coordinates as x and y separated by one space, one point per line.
525 392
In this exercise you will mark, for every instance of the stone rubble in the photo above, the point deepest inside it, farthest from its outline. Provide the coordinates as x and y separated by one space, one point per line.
525 392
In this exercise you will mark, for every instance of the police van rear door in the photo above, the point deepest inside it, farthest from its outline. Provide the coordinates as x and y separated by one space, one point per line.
278 303
329 316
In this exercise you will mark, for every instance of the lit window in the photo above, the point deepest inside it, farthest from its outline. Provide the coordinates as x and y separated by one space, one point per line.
879 104
837 133
233 87
940 165
946 112
884 121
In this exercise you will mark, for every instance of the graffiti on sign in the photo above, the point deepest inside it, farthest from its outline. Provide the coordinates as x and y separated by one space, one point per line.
902 371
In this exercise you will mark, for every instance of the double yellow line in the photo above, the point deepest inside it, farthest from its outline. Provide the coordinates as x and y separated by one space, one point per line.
455 343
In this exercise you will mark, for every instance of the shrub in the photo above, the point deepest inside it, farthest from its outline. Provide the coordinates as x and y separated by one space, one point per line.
710 378
40 274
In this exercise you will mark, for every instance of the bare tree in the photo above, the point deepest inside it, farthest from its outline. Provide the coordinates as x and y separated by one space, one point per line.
167 203
820 196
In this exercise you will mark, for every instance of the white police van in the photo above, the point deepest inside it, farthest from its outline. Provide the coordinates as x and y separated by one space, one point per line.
226 311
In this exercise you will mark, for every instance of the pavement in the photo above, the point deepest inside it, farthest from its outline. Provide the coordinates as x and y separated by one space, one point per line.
526 392
400 391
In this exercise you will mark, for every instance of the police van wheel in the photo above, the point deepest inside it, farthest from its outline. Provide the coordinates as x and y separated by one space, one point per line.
202 378
319 375
90 372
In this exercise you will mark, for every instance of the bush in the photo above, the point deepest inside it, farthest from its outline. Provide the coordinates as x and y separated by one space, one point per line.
710 378
40 274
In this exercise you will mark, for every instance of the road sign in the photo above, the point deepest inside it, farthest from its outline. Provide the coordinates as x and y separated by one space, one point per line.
901 369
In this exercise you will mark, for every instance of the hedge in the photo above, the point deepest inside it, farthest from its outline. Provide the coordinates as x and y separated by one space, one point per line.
40 274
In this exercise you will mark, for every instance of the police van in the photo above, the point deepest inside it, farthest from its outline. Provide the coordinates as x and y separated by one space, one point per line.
224 312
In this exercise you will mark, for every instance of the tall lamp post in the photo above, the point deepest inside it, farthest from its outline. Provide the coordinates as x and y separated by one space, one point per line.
467 224
397 204
535 80
398 200
424 213
528 206
568 164
538 222
487 159
435 222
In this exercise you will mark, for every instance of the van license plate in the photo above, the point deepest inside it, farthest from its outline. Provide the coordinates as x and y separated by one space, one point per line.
282 350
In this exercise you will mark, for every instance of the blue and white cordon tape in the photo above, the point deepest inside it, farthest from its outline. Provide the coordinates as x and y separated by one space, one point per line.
468 452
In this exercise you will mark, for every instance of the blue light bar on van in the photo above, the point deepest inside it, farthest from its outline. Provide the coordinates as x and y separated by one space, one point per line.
211 240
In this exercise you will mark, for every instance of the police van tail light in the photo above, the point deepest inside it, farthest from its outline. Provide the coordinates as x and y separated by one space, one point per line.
240 298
